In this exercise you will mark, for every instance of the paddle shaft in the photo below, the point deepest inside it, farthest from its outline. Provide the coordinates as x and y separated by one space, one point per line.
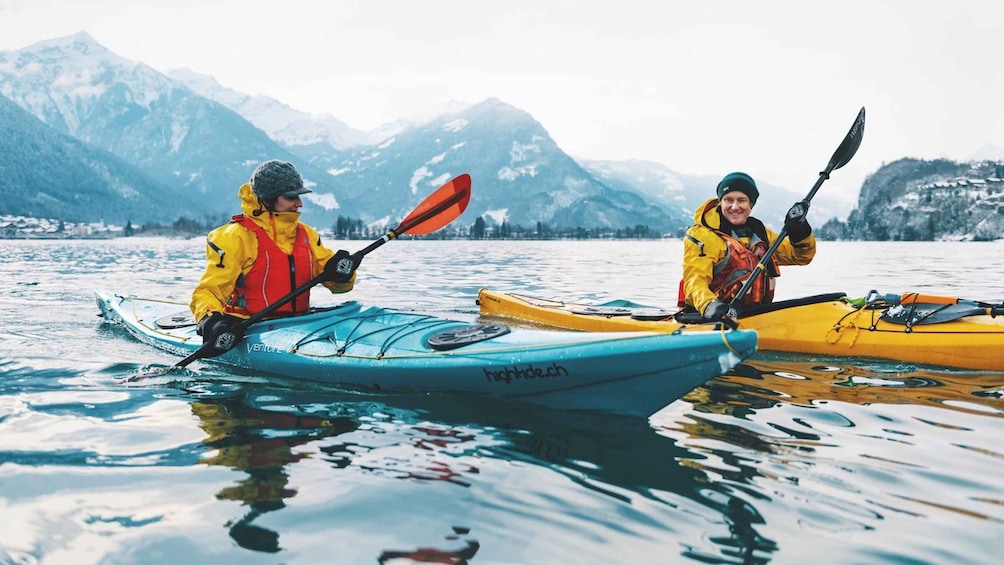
408 223
848 147
762 264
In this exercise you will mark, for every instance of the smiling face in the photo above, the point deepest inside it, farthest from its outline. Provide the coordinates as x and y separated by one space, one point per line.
736 207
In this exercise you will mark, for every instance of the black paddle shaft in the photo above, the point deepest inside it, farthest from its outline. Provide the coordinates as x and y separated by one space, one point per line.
848 147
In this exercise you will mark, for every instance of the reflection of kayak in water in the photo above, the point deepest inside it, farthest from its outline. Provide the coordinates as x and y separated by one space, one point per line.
805 382
910 328
270 430
594 447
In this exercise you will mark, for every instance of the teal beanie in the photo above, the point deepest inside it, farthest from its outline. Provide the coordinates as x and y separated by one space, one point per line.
741 182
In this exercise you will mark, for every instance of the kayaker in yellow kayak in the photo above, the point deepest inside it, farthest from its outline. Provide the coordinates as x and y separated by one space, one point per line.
725 244
263 254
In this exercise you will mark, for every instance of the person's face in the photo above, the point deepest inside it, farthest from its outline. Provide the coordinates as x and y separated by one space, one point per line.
284 204
736 207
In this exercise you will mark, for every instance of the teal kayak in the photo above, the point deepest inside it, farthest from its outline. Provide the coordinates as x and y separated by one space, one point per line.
380 350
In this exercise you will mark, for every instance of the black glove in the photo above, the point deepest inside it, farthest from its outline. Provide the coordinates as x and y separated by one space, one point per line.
718 310
220 331
795 223
340 267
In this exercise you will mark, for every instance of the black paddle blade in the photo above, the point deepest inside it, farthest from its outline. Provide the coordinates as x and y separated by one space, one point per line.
849 146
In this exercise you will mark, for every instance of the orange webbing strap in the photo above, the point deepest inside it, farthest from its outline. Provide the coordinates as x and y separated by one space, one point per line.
913 298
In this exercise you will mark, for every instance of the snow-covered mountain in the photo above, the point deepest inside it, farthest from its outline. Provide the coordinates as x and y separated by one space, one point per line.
520 175
417 150
184 134
78 87
48 174
297 129
288 126
202 140
677 193
988 152
62 80
680 193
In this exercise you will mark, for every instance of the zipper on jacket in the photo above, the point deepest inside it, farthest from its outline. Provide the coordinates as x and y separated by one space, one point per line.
292 278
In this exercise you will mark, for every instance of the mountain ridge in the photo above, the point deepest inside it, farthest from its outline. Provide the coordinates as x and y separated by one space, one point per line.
185 143
76 86
46 173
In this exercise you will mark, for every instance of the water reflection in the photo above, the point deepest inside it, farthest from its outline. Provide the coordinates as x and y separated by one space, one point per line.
260 443
620 457
446 436
93 471
724 472
774 425
460 556
765 381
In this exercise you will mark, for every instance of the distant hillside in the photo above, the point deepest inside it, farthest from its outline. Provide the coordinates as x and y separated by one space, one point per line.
44 173
78 87
918 200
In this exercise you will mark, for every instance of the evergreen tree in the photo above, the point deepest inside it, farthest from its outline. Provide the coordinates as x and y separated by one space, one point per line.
478 229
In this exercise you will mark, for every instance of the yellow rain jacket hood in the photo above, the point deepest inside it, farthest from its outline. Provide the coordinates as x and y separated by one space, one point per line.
231 249
703 249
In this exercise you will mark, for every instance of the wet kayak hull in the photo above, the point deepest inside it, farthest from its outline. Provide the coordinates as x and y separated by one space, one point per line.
387 351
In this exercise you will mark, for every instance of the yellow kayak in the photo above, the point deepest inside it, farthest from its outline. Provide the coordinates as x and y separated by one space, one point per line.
925 329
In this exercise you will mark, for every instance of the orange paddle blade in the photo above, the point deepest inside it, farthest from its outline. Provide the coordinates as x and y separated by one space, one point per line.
439 208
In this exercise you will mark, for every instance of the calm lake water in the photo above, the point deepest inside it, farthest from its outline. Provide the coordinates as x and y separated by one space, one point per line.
782 460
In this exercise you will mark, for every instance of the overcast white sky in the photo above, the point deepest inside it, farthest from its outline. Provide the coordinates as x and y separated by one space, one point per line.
769 87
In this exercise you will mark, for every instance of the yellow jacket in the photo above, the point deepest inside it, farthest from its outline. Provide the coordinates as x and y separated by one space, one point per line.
703 249
231 249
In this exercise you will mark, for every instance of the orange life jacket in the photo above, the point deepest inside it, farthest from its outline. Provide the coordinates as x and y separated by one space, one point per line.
729 274
273 275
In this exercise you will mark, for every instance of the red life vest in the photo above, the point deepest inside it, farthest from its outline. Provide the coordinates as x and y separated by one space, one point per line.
273 275
731 272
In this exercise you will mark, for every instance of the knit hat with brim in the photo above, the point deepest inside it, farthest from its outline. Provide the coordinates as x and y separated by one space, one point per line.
741 182
274 178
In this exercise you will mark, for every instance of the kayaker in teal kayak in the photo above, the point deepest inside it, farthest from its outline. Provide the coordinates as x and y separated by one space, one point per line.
725 244
262 255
